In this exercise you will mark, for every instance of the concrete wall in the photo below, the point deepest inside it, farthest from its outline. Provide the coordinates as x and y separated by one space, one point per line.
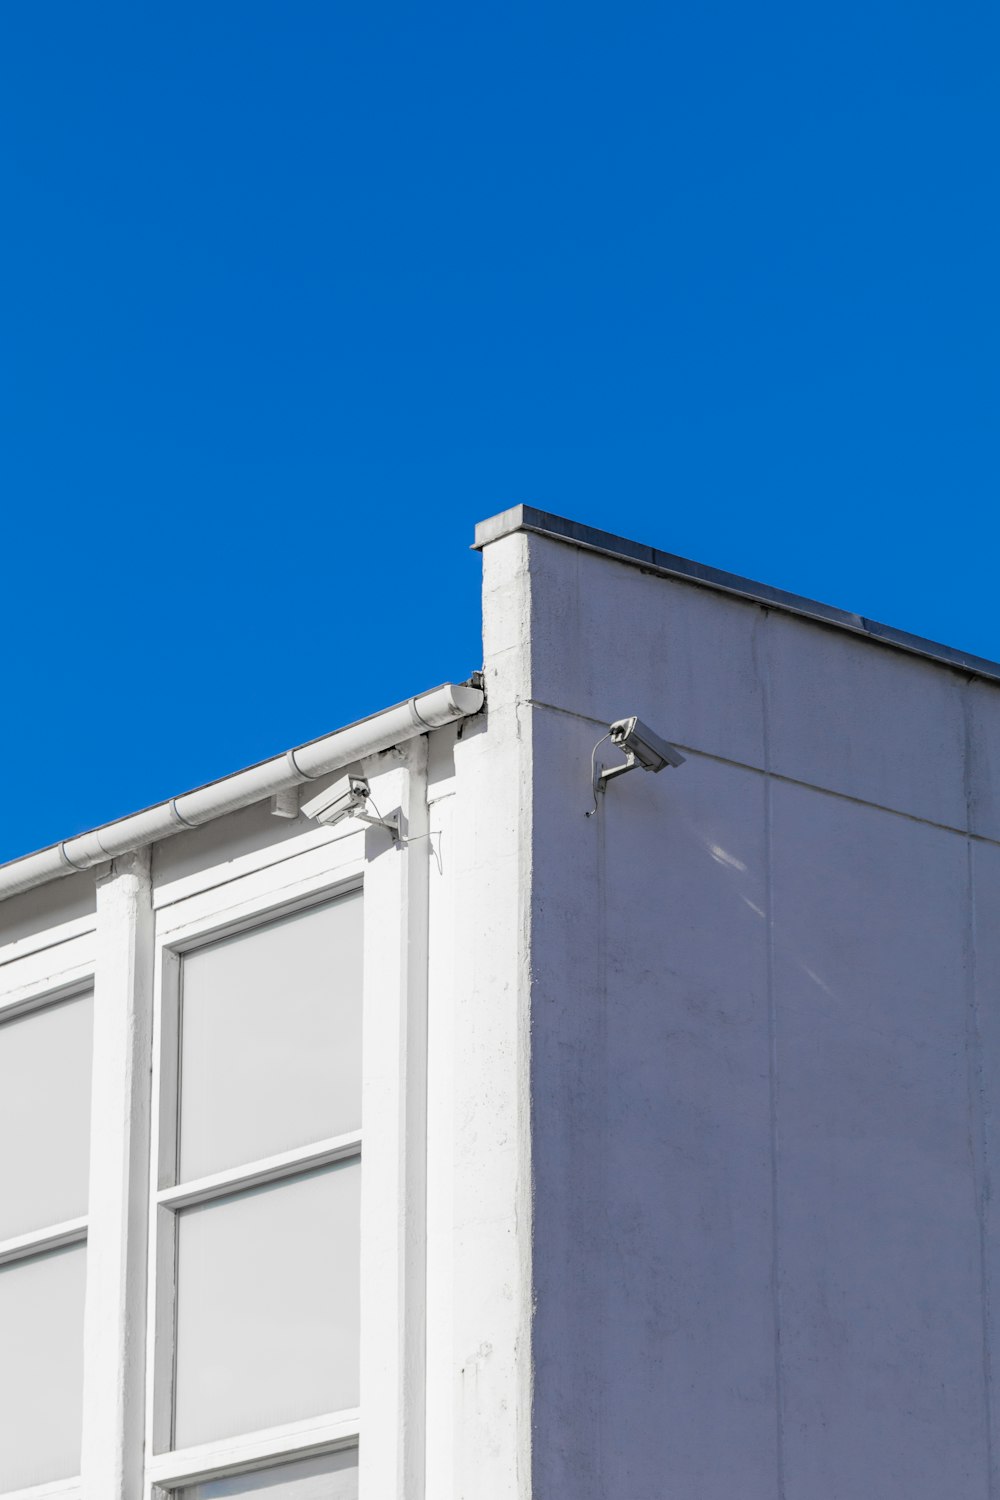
765 1048
479 1145
711 1078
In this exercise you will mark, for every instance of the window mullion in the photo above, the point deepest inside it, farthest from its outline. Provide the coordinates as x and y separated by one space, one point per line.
114 1379
393 1200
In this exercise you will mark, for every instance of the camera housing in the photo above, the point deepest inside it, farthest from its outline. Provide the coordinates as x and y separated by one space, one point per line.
643 746
346 798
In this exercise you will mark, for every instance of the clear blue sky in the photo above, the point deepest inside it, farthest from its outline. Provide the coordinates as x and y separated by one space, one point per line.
294 293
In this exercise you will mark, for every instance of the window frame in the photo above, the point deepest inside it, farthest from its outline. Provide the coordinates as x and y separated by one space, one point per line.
65 1231
192 922
48 974
118 950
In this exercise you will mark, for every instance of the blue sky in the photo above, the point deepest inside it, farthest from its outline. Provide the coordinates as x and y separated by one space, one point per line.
293 294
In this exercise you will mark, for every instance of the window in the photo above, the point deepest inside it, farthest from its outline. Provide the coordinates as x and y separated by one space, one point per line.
333 1476
189 1247
257 1209
45 1083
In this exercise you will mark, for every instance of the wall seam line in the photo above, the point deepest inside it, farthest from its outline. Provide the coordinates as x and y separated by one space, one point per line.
979 1110
773 1096
981 1186
780 776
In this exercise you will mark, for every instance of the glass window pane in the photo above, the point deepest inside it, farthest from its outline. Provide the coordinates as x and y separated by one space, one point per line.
41 1366
45 1065
271 1038
267 1305
331 1476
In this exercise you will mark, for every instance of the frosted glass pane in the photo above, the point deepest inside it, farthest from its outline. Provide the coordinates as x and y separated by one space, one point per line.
45 1066
332 1476
271 1038
267 1305
41 1366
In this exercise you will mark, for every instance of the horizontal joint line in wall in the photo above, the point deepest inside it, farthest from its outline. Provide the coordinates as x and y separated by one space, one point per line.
788 780
69 1232
270 1169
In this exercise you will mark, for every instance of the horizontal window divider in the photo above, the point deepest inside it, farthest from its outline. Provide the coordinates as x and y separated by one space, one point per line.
236 1455
50 989
56 1489
49 938
270 1169
302 849
70 1232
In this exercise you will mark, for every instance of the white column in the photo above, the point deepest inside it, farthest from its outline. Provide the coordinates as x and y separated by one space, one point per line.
114 1327
393 1214
490 855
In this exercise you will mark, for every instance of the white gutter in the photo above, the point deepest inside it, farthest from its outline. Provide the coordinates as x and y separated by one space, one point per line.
441 705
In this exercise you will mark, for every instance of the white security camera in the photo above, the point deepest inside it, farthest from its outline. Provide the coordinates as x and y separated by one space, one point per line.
347 797
642 748
642 745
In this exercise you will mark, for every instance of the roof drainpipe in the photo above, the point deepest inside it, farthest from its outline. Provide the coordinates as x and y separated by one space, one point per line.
393 726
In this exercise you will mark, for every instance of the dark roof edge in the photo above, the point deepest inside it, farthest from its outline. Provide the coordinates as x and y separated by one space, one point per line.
668 565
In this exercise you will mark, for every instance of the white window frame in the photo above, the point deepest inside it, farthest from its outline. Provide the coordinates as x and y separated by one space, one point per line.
48 974
121 951
393 878
188 927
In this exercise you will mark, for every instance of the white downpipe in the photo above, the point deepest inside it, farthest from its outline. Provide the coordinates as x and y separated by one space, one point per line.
430 710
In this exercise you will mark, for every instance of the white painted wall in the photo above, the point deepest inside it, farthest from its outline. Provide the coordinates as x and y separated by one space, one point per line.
707 1084
764 1046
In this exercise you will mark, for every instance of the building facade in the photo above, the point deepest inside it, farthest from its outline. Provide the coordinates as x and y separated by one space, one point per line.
465 1132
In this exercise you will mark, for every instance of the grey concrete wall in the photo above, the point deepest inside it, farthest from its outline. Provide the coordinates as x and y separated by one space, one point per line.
765 1054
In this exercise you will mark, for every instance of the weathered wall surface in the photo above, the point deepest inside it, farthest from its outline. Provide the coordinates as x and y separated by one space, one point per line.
765 1052
478 1146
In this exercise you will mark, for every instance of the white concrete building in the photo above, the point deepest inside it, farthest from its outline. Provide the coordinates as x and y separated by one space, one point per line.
512 1152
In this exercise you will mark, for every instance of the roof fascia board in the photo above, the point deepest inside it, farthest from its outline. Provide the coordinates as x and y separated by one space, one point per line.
669 565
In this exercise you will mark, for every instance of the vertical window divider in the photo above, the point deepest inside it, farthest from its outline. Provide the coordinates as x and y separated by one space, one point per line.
393 1198
114 1318
162 1230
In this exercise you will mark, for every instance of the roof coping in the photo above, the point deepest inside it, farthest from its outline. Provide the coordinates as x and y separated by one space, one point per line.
669 565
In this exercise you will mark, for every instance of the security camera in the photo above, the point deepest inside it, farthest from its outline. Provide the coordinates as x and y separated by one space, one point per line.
642 748
347 797
639 742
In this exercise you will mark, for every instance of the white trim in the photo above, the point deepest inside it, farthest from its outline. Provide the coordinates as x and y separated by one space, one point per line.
50 937
56 1489
312 877
37 1241
160 1332
318 758
239 901
184 887
393 1207
161 1232
114 1318
33 978
443 1125
269 1169
235 1455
